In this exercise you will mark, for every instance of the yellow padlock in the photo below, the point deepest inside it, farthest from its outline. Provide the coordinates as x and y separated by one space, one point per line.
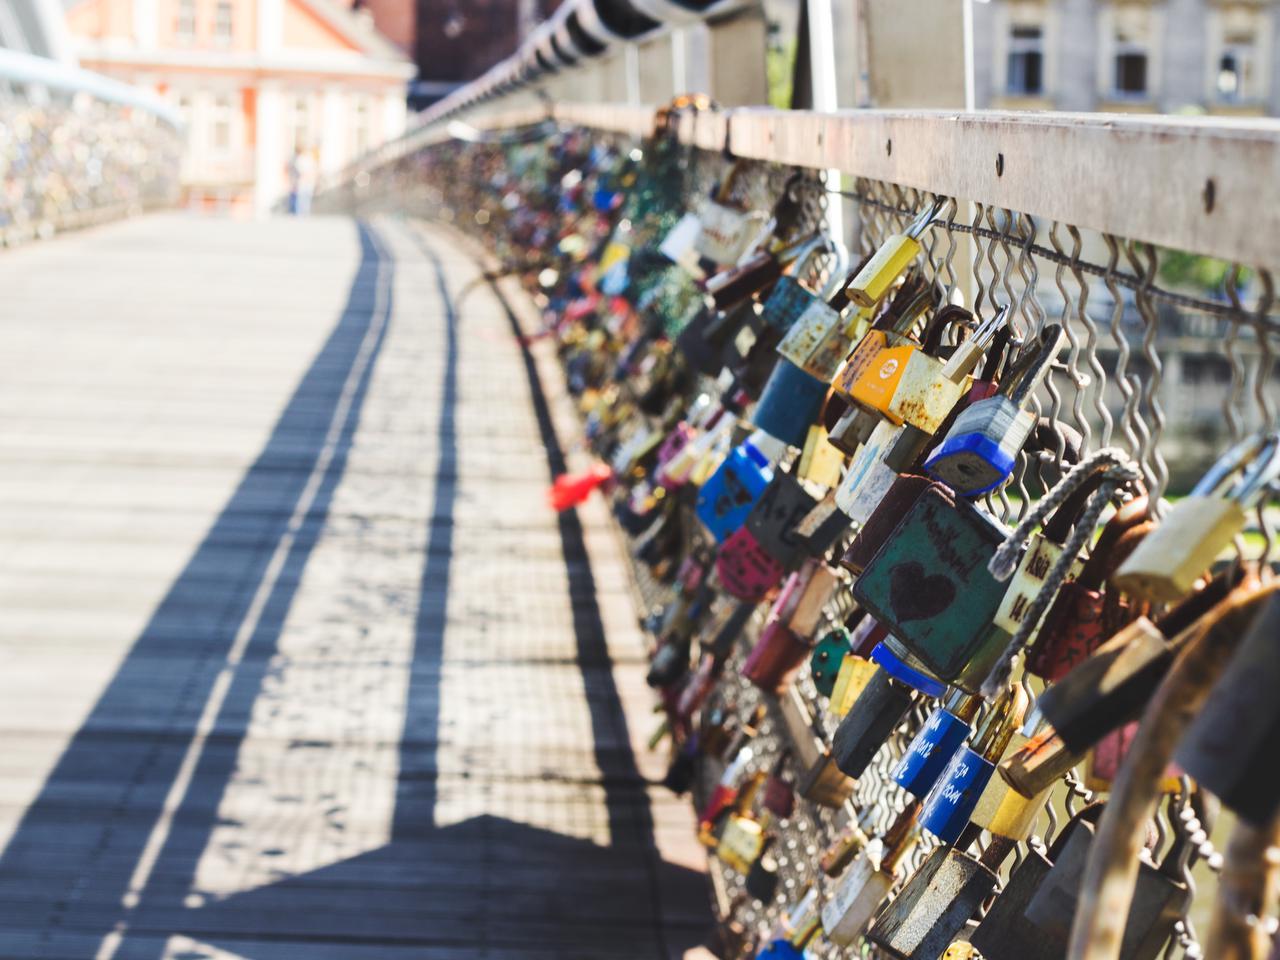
1003 810
742 837
855 673
875 279
1166 564
820 463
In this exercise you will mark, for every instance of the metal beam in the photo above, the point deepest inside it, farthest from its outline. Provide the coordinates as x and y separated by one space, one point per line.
1204 185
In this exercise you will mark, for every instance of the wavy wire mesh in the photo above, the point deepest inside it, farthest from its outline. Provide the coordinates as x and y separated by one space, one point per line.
1152 369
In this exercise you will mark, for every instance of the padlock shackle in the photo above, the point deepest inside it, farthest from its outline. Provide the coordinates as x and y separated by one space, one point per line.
944 317
925 218
1237 459
1259 475
961 704
1103 561
900 319
999 348
1002 720
1032 364
724 192
839 271
1059 526
815 245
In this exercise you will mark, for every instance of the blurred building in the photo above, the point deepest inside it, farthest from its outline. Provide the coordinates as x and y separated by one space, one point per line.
1215 56
36 27
256 81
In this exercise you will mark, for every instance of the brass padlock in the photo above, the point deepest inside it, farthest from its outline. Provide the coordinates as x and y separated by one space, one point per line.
879 274
1166 565
855 673
741 837
1001 809
820 462
1037 764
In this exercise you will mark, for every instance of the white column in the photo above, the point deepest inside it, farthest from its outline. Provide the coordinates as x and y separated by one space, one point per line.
393 115
334 110
270 182
826 94
270 26
146 23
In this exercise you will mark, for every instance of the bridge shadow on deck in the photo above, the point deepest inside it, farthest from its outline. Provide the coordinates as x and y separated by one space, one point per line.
487 887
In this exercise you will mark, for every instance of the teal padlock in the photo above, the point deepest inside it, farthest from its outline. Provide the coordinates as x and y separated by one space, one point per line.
828 655
929 585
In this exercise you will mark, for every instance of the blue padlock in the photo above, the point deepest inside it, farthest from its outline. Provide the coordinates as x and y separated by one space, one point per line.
726 499
899 669
946 730
981 449
790 403
949 805
781 950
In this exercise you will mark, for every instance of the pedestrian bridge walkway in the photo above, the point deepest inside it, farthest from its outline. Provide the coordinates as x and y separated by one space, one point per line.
295 662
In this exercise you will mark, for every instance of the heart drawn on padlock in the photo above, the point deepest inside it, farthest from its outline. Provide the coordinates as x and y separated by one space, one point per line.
915 596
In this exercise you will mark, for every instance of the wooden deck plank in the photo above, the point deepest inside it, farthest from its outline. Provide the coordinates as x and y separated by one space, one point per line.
289 665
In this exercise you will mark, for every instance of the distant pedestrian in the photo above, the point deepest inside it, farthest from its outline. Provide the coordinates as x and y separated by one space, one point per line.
302 182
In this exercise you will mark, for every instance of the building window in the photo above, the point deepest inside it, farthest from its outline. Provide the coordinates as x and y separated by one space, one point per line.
222 22
300 128
1130 78
183 104
1236 67
185 28
1026 61
360 128
220 122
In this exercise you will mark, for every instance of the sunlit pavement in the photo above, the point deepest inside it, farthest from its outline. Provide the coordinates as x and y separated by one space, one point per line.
296 660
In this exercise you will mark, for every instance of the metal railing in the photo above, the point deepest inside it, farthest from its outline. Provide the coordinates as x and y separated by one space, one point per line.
1153 242
79 148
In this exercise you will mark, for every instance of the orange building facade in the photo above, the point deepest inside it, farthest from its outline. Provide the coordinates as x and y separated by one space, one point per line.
256 81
